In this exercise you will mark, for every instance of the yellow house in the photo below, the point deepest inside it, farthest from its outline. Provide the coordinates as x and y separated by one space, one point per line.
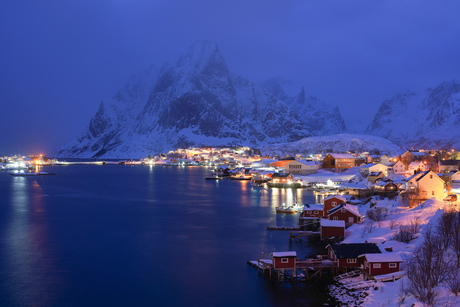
426 184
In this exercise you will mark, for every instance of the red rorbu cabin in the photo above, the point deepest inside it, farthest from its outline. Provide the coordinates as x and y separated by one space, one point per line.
332 228
347 253
345 212
380 264
333 201
282 178
283 260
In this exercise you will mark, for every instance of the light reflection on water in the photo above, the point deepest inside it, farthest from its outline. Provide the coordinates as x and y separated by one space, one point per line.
140 236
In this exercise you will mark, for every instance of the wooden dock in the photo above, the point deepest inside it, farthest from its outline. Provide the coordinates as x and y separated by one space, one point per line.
300 235
303 270
282 228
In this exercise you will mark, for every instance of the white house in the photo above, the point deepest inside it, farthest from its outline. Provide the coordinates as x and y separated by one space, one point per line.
301 167
416 167
385 160
366 169
399 167
427 183
455 177
449 165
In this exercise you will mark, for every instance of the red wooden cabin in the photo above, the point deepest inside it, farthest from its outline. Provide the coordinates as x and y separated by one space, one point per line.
330 228
347 253
380 264
333 201
283 260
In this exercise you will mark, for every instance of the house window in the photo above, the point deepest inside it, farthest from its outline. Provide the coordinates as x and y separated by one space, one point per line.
284 260
309 211
351 260
350 220
432 193
335 218
334 204
316 212
392 265
376 265
431 176
343 210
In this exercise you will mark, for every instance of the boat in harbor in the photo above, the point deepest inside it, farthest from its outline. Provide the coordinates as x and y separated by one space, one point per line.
294 208
285 209
213 177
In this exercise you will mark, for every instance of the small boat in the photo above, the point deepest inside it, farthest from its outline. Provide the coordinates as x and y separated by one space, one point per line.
286 209
213 177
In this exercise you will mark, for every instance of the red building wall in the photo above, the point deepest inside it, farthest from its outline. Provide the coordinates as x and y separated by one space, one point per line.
332 231
313 214
278 264
328 203
384 268
343 216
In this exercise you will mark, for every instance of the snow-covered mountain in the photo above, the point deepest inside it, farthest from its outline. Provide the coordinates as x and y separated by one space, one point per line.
338 143
319 117
429 120
195 102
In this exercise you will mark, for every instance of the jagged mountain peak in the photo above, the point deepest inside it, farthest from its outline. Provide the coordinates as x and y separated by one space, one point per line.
203 56
428 120
196 102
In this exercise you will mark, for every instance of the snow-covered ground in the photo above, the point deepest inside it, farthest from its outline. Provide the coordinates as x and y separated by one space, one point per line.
389 293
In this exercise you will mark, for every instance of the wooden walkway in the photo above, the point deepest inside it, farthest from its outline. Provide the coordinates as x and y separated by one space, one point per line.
282 228
300 235
303 270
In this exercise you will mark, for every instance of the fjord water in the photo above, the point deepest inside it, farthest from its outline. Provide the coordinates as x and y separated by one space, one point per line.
114 235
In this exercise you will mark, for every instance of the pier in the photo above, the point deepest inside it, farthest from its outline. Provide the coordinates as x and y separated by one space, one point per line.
300 235
302 271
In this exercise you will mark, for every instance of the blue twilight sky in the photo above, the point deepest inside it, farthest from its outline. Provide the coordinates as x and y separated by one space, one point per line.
59 59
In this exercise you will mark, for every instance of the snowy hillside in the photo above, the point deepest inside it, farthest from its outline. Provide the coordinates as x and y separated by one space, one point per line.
335 143
196 102
429 120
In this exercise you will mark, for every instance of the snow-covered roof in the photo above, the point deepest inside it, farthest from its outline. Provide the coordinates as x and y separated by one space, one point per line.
342 156
314 207
348 207
332 223
415 164
375 174
382 183
336 196
305 162
386 257
369 165
418 153
267 161
284 254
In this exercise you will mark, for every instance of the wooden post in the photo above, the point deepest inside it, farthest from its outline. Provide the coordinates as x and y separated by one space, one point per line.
279 278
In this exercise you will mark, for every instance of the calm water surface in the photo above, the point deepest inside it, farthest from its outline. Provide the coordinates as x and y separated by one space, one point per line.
115 235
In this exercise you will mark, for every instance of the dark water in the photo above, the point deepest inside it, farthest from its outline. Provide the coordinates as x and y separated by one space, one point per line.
140 236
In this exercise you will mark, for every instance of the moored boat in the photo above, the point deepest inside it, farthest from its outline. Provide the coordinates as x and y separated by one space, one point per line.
286 209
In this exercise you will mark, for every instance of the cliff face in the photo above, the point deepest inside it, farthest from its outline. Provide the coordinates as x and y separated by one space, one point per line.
429 120
196 102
